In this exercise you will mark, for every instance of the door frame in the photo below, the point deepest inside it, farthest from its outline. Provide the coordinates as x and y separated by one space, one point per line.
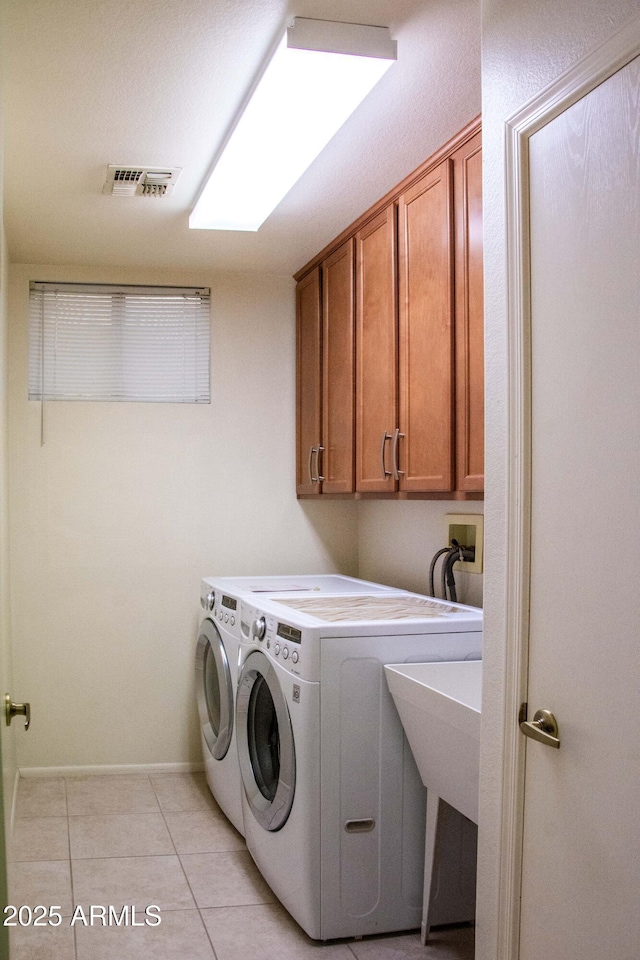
575 83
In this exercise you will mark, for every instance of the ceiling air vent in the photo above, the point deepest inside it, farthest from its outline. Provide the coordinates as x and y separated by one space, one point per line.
140 181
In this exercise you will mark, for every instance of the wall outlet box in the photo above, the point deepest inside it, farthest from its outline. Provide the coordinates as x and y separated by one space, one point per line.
468 530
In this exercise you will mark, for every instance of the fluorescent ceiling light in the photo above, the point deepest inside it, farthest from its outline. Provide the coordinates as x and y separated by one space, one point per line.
320 72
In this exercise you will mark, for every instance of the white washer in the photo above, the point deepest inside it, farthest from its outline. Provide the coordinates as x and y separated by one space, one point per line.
217 667
334 809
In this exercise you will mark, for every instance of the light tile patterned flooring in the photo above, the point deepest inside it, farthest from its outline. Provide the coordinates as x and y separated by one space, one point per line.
162 840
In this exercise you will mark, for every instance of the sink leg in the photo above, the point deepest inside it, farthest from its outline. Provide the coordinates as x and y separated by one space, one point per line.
430 859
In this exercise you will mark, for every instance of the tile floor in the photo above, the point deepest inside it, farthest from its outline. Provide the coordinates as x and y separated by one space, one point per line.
162 840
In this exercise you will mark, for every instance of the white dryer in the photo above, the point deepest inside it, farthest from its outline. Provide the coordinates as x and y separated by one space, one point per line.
217 659
217 667
334 809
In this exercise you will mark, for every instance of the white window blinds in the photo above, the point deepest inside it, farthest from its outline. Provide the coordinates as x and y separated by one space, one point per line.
90 342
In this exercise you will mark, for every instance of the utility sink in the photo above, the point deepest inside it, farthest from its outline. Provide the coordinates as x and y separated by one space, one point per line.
439 706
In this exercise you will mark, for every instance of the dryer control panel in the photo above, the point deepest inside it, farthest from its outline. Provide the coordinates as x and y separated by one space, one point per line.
222 608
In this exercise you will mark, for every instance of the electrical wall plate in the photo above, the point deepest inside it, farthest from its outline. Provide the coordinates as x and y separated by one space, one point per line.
468 530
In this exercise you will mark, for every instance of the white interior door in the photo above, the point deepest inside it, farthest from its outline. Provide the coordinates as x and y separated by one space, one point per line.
4 896
581 851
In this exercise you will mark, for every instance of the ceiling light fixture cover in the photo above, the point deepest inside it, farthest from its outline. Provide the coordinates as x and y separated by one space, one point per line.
320 71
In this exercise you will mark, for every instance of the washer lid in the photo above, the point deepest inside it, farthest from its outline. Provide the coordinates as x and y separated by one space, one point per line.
323 583
349 609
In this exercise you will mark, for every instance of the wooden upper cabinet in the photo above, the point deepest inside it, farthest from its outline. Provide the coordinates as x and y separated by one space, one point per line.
376 352
338 334
467 173
426 269
390 377
308 382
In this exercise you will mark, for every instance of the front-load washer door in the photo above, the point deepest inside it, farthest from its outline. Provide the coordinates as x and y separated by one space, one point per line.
214 690
266 748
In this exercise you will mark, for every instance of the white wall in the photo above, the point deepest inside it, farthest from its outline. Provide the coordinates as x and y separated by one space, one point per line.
122 511
117 517
524 47
397 540
126 506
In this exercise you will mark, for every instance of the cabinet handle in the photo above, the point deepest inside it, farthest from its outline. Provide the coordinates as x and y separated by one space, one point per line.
385 473
319 450
397 473
312 450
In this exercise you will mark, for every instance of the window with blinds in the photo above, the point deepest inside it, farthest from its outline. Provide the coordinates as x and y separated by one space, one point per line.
90 342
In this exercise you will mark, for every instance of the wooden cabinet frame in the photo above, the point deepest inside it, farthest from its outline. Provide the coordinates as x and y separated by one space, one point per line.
469 314
376 353
412 418
338 433
426 264
308 382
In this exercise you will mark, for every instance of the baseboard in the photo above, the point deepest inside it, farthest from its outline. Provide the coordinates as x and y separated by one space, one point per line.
140 769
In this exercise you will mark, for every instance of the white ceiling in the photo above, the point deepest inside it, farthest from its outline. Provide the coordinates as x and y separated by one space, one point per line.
158 82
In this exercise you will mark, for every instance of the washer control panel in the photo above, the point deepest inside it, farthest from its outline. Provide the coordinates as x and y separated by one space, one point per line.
282 641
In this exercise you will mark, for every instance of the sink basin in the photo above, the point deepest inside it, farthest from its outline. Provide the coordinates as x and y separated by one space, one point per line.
439 706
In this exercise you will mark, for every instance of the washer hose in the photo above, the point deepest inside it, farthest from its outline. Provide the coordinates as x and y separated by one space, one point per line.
455 553
432 586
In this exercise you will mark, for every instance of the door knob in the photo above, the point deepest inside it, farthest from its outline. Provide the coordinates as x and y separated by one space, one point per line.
543 727
17 709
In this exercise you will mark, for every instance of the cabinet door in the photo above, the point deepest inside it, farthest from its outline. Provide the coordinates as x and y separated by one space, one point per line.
376 352
467 180
308 382
338 308
425 240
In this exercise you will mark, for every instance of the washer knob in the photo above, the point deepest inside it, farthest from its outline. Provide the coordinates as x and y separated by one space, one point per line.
276 649
259 628
210 600
294 656
285 653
